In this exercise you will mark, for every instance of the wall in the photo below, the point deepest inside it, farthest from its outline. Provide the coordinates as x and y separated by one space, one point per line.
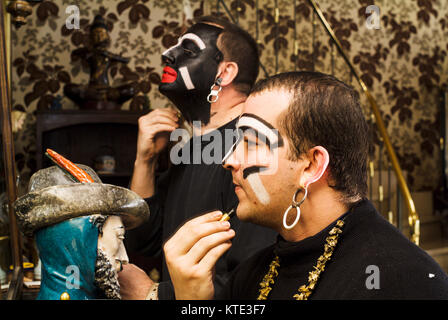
403 63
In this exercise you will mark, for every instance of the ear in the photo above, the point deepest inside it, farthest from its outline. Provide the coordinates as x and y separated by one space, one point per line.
319 159
227 71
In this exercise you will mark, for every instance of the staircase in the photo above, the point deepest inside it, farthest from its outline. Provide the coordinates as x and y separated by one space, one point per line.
433 229
433 237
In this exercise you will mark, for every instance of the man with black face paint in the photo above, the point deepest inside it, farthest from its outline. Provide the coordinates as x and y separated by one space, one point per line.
192 65
207 75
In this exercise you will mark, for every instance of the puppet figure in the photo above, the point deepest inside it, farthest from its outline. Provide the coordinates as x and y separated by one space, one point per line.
79 230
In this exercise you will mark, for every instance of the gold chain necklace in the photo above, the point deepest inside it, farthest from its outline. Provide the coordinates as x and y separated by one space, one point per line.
313 276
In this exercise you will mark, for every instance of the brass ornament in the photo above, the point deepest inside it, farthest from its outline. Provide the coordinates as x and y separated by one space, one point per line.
19 10
313 277
64 296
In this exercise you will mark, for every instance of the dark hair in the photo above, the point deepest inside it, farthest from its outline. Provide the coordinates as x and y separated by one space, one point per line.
324 111
237 46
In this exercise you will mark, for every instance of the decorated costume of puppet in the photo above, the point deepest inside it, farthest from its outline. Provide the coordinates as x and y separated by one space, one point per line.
71 222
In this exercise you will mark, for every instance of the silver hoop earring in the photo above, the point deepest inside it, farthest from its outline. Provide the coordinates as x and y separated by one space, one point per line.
213 96
295 205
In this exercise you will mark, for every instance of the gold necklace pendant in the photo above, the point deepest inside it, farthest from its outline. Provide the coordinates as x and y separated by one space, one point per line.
313 276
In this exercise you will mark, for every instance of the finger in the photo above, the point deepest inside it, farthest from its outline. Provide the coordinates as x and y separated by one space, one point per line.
156 118
148 119
174 110
159 119
161 128
182 241
208 243
173 114
208 262
190 236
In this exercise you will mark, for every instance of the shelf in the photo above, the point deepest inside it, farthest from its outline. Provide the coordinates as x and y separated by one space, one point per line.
50 120
83 135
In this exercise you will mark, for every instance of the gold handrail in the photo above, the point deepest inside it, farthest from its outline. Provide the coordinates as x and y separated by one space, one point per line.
16 284
414 221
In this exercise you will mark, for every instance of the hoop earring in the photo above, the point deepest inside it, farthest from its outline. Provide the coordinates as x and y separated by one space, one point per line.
295 205
213 96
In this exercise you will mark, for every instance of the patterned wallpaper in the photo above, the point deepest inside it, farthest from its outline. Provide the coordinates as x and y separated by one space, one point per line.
403 63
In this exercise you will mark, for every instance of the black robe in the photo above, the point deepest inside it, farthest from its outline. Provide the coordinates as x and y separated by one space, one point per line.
402 269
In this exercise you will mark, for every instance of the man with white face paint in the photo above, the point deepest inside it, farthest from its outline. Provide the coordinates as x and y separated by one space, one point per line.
331 236
207 75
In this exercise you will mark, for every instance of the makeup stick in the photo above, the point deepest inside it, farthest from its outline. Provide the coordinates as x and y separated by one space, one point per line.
228 215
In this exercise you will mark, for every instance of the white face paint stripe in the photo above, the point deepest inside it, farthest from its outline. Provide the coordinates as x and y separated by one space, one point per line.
232 149
171 48
186 77
258 188
191 36
195 38
260 127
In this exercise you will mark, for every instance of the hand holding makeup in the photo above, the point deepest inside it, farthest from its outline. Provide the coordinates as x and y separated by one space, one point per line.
153 132
191 254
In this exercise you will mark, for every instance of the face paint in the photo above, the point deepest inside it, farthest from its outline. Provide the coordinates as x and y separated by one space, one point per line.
251 125
169 75
262 127
193 37
191 69
258 188
186 77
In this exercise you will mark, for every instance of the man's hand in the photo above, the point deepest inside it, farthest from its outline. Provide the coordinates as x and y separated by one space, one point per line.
134 283
153 132
191 254
153 136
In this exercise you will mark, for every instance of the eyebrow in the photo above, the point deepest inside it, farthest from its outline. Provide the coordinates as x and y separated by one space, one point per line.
252 121
195 38
191 36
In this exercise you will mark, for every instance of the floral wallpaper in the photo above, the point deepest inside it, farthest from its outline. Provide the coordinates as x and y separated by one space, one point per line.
403 63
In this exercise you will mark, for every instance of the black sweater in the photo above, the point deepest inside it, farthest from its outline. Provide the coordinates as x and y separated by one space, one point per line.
186 191
405 271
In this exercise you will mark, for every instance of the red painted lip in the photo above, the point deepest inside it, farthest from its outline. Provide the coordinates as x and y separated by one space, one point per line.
169 75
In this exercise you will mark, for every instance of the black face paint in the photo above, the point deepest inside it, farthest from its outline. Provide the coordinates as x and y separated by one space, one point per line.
190 71
253 169
263 130
276 143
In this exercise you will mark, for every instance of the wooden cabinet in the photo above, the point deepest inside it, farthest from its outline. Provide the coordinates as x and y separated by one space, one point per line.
82 136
